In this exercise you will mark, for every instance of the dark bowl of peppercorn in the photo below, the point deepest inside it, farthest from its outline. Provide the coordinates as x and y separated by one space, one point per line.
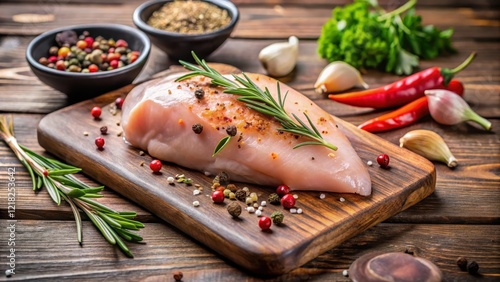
85 61
179 27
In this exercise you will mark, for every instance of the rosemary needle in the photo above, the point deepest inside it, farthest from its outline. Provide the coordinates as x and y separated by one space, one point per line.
259 100
60 183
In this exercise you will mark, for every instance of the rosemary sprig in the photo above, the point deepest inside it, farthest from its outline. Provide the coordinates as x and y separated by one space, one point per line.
60 183
259 100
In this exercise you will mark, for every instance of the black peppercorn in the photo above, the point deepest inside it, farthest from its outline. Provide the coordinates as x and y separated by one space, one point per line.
104 130
234 209
197 128
274 199
462 263
199 93
221 178
241 195
473 267
231 130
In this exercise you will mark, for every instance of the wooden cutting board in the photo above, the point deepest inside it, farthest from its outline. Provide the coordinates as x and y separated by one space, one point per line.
324 223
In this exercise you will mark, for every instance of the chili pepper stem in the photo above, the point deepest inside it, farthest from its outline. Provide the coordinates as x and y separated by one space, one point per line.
449 73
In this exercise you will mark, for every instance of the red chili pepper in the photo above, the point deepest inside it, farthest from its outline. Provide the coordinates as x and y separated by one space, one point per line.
407 114
403 91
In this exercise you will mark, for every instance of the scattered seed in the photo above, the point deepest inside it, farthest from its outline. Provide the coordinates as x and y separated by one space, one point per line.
255 205
299 210
141 163
322 196
263 203
370 163
260 208
292 210
342 199
196 192
118 123
141 153
85 133
295 196
178 275
119 133
251 209
196 203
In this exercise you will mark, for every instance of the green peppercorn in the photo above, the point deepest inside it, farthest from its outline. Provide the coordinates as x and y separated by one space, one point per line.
98 38
111 42
74 61
277 217
104 47
121 50
96 57
226 193
234 209
73 49
86 63
124 59
274 199
74 68
81 56
85 71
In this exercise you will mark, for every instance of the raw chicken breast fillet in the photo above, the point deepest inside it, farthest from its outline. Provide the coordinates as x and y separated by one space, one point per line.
158 117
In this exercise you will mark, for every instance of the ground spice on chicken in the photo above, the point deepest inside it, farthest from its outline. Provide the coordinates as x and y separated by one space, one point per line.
189 17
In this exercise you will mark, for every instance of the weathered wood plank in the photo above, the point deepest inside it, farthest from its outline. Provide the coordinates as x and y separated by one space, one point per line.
255 21
481 78
167 250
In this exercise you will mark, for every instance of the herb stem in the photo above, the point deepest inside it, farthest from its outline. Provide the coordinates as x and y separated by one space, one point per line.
259 100
408 5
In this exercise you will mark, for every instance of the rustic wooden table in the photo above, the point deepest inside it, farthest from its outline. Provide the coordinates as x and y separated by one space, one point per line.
461 218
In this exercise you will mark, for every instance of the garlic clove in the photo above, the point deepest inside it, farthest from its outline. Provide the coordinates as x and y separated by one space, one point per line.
338 76
448 108
279 59
429 145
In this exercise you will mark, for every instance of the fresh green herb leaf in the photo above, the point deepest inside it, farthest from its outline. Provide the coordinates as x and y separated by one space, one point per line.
363 35
60 182
222 143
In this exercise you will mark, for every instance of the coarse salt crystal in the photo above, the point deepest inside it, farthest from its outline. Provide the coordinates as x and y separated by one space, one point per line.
370 163
299 210
322 196
258 213
196 203
251 209
342 199
263 203
293 210
196 192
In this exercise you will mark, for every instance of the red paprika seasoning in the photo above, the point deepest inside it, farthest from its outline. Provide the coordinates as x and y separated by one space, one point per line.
403 91
407 114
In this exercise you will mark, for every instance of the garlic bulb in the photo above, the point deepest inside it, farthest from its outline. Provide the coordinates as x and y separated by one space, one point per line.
279 59
338 76
429 145
448 108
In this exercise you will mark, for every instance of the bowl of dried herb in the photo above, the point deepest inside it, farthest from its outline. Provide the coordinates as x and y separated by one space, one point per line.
179 27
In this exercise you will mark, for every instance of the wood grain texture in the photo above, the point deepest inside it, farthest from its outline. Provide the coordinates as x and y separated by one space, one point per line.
166 250
324 224
256 21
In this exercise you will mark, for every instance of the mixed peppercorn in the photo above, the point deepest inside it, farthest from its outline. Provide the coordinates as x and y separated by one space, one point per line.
86 54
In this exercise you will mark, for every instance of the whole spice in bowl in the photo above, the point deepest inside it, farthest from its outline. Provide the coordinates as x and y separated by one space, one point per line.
189 17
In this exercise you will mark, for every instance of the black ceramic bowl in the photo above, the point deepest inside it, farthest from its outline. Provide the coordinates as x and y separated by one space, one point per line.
179 45
77 85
